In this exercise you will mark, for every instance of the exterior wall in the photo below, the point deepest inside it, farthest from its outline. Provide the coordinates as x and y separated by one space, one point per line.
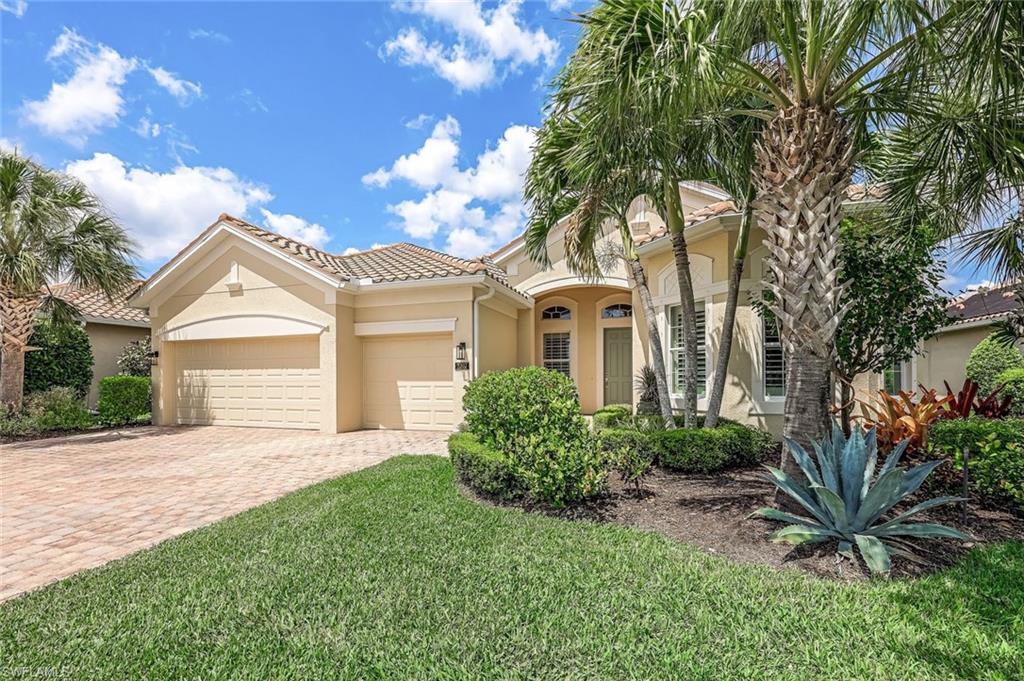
266 289
499 341
107 340
944 357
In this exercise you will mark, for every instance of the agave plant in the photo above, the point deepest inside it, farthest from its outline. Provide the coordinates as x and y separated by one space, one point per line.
847 500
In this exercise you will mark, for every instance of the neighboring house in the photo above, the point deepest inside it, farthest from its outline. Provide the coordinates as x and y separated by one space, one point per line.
110 324
256 329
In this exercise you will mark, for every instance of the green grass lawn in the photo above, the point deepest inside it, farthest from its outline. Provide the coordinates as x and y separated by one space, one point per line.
390 573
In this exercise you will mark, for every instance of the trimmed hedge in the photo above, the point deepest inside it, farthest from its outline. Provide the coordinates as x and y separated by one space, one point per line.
988 360
696 450
612 416
1013 386
483 468
124 399
997 457
64 359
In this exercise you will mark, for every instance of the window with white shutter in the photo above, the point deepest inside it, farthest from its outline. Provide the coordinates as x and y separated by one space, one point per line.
774 358
675 320
557 353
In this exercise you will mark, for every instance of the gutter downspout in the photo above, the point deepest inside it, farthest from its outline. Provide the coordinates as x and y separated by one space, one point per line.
476 327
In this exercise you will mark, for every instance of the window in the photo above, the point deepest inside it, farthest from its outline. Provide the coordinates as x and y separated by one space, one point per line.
675 320
774 358
617 311
556 352
892 378
556 312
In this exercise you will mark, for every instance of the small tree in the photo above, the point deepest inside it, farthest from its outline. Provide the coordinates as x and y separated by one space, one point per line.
134 358
63 358
892 290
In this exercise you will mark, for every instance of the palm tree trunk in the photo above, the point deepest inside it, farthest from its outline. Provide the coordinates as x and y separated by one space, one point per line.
654 339
17 319
802 169
676 225
729 321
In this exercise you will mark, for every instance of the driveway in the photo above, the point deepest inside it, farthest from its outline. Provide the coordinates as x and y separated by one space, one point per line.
68 504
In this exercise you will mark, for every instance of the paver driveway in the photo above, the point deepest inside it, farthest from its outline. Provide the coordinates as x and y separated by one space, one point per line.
72 503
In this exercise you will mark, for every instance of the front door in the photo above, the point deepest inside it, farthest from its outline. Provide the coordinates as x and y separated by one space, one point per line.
618 366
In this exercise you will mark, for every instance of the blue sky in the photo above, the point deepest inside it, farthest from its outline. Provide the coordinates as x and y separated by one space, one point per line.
345 124
342 124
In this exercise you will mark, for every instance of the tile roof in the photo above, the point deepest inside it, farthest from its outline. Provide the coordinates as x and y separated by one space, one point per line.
94 303
985 303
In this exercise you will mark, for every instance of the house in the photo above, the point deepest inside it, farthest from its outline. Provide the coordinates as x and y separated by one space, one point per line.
110 324
252 328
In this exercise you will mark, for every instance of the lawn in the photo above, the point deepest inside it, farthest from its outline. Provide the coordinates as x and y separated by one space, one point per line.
390 573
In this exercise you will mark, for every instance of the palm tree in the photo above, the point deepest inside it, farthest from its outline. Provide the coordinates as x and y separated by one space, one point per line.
828 79
567 182
52 229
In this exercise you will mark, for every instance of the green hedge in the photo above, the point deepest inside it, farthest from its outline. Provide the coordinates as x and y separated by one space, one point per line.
55 409
124 399
1013 386
64 359
483 468
612 416
990 358
996 457
696 450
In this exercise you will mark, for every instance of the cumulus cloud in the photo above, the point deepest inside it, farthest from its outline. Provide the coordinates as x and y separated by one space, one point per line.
309 233
90 99
164 211
183 90
474 208
488 42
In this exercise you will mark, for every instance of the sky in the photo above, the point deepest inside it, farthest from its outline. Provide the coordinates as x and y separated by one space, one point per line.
342 124
345 125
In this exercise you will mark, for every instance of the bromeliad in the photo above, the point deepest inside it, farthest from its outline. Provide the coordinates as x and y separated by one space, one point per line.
847 501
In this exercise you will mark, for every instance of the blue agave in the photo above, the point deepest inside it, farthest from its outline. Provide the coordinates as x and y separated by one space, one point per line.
847 500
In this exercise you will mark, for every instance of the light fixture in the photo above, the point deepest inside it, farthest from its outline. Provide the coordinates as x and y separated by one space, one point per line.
460 351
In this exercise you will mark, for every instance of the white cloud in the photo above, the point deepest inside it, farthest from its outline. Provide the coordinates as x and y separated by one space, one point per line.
559 5
251 101
164 211
309 233
15 7
183 90
476 208
147 128
484 39
419 122
351 250
90 99
207 34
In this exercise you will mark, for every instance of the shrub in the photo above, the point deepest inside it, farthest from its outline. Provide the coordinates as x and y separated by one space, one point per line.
505 409
64 358
484 469
612 416
58 408
695 450
632 464
996 457
989 359
561 473
124 399
134 359
1012 381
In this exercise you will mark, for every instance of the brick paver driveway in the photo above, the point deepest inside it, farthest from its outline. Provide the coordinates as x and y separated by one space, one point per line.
72 503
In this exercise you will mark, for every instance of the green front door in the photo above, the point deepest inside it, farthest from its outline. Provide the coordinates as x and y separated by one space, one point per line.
618 366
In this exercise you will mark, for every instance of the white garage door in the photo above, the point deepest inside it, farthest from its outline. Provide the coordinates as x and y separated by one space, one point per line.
260 382
407 382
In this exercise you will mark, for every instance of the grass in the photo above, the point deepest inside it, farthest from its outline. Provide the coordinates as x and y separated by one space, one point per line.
390 573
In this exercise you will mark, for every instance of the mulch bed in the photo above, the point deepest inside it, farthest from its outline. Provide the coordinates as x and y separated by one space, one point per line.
29 437
712 512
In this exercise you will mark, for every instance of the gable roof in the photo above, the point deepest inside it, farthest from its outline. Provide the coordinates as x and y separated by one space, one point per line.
984 303
94 305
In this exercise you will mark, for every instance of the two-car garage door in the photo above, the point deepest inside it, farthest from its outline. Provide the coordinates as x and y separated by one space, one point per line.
262 382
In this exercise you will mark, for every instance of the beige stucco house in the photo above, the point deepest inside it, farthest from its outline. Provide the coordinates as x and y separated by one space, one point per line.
110 324
255 329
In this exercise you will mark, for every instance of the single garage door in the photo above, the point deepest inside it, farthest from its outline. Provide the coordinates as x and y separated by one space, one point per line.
407 382
259 382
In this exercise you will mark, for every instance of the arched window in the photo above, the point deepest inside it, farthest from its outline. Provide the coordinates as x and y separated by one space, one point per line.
617 311
556 312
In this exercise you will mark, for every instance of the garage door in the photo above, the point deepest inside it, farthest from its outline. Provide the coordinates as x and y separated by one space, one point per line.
407 382
260 382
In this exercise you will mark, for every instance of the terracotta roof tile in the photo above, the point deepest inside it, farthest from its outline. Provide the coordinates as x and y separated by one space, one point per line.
985 303
94 303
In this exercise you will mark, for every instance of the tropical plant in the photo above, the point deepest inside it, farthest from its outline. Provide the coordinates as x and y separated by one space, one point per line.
989 359
134 358
633 464
900 419
841 87
51 228
848 501
62 356
966 403
893 302
646 385
1012 381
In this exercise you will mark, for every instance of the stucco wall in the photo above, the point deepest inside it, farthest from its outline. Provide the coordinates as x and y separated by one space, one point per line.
499 347
944 357
107 340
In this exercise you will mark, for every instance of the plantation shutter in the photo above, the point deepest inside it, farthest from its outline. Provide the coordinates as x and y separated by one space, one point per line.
556 352
678 356
774 359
